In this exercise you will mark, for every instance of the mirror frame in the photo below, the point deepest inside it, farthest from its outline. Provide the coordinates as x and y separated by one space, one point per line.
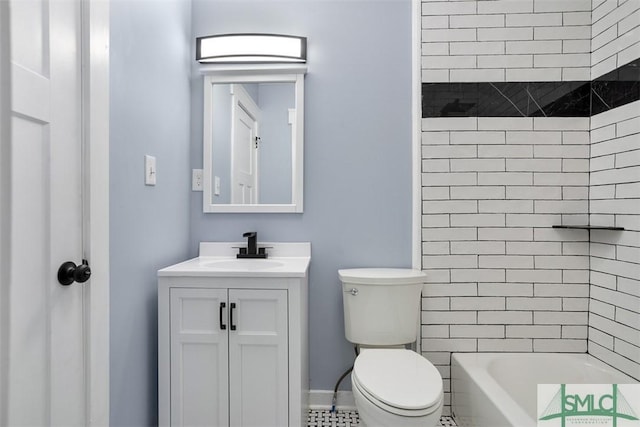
255 74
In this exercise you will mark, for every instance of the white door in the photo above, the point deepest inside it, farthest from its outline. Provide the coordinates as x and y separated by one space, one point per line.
244 148
43 322
258 358
199 357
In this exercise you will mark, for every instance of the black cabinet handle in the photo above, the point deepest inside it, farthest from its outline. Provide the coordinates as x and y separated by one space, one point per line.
222 306
232 326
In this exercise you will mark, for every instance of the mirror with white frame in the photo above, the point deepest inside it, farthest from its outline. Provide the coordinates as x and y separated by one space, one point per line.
253 141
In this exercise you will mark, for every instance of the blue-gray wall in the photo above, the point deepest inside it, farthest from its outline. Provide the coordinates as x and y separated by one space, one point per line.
149 229
357 190
221 141
274 154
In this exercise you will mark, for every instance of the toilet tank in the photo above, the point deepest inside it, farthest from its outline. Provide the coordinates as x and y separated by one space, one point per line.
381 305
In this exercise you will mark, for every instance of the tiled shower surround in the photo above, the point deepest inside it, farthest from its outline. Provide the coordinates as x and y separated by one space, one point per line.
506 40
614 322
500 278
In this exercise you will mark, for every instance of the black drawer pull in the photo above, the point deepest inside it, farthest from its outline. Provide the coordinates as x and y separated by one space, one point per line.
222 325
233 305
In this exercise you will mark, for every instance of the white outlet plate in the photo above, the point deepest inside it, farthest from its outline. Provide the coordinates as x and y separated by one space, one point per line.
196 179
150 171
216 185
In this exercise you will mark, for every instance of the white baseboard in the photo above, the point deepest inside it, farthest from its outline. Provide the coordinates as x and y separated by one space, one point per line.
321 399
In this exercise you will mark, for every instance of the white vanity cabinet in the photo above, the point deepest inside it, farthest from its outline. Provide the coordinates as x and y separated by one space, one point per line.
232 346
228 351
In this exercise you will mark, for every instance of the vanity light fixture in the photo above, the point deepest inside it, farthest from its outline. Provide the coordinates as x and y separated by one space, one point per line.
252 48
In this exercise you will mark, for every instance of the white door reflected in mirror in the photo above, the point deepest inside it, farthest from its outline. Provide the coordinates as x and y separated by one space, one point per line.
253 146
245 116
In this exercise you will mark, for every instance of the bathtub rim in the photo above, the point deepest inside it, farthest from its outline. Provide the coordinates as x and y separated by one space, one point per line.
476 366
479 374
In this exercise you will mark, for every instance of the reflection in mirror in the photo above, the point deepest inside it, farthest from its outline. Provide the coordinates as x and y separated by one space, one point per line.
253 128
251 153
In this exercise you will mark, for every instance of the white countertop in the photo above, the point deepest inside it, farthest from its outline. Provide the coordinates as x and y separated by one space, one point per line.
218 259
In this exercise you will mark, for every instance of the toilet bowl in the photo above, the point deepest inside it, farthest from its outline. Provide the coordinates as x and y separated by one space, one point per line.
396 388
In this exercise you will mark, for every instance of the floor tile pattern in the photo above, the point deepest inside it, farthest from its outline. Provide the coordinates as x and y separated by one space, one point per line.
447 422
324 418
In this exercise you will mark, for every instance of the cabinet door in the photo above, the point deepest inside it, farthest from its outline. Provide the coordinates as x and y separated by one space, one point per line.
258 358
199 358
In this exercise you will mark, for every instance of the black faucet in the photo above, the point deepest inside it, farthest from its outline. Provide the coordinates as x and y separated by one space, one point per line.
251 251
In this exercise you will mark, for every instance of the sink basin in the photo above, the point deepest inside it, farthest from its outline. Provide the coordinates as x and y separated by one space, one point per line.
244 264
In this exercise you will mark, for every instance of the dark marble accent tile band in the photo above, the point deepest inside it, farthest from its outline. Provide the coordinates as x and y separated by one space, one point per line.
614 89
533 99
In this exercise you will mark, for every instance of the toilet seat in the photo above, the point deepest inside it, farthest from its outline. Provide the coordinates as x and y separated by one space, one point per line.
398 381
392 409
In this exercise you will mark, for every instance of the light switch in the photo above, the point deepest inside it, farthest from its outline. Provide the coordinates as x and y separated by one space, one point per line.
196 180
150 170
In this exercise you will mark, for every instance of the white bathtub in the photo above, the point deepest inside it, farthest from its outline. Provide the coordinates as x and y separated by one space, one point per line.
500 389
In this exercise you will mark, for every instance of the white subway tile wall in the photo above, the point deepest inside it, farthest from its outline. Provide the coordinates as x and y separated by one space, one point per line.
514 40
614 322
500 279
616 35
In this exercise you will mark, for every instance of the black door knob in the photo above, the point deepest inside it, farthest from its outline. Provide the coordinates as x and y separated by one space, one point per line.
69 272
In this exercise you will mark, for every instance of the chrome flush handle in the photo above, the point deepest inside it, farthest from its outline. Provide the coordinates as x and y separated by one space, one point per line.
352 291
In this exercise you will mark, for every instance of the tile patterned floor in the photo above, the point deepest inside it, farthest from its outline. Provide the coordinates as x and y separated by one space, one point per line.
324 418
447 422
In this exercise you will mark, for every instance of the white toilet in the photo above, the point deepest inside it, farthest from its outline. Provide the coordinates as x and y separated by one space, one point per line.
392 386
